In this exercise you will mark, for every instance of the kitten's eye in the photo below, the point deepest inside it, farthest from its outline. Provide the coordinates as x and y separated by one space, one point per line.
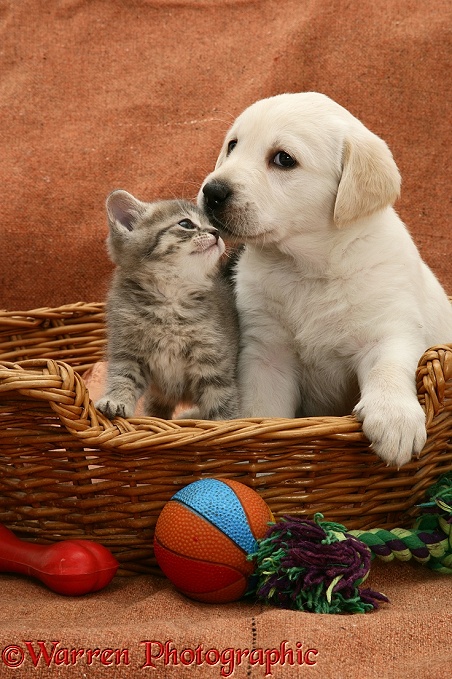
283 159
231 146
186 224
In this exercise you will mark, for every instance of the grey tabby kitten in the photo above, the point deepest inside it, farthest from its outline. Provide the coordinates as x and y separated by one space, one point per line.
171 320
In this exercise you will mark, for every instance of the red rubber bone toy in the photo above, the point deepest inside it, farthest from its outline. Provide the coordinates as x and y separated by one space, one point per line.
70 567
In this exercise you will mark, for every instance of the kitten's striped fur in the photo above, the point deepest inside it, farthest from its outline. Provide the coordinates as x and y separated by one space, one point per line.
171 318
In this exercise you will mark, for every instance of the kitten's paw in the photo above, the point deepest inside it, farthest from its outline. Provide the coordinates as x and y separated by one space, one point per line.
112 408
220 413
189 414
223 412
394 427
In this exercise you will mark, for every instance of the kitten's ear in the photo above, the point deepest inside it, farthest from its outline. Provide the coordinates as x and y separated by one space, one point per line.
123 210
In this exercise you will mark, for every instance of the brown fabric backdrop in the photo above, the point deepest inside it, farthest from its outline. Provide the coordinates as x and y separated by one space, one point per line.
137 94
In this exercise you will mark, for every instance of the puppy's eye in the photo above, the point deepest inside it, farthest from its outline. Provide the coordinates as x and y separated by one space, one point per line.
283 159
186 224
231 146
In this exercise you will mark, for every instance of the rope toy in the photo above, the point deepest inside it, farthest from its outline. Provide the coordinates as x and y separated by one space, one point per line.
319 566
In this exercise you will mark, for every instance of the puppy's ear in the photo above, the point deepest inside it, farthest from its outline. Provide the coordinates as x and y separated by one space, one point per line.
370 179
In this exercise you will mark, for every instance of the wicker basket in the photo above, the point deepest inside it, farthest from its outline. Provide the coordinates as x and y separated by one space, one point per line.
66 471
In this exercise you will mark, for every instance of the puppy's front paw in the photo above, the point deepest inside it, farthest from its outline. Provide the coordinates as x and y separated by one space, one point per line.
112 408
394 427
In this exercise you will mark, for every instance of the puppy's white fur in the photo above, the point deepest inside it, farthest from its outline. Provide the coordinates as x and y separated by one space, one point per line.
336 305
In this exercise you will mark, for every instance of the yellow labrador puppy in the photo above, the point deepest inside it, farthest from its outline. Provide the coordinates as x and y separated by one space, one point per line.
335 302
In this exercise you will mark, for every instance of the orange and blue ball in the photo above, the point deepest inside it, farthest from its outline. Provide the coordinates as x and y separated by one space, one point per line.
204 535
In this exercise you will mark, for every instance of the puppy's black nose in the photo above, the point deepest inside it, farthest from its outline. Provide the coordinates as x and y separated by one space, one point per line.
216 194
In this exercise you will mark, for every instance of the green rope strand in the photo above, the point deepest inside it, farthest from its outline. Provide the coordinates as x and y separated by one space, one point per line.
430 540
